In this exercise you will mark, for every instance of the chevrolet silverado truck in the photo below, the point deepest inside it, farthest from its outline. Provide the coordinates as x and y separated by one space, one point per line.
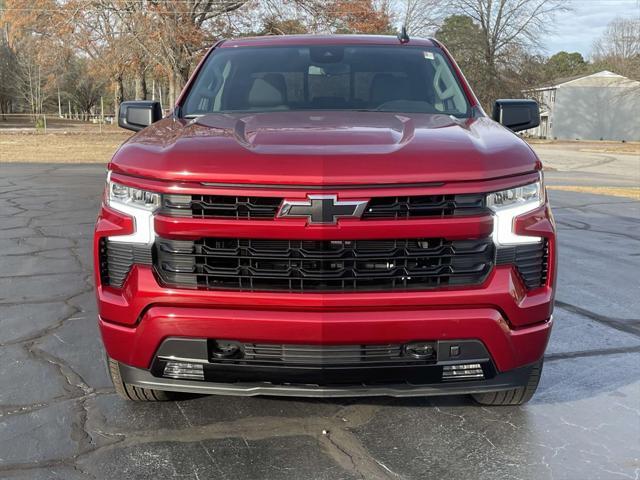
326 216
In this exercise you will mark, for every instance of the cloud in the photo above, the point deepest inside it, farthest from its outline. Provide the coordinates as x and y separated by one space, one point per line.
575 31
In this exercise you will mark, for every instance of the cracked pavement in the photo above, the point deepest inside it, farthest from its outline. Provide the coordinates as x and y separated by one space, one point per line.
60 419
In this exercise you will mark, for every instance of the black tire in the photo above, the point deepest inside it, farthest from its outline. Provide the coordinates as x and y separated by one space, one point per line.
130 392
515 396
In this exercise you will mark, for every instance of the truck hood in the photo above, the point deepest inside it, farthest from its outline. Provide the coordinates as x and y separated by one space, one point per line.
324 148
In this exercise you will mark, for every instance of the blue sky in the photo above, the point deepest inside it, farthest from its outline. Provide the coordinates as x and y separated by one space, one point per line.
575 31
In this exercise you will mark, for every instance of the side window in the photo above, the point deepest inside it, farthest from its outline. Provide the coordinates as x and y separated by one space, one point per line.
206 95
225 75
448 95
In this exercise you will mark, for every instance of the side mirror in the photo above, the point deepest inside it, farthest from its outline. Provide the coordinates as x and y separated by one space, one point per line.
138 114
517 114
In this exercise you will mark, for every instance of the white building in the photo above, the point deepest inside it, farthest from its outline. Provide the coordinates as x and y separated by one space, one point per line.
600 106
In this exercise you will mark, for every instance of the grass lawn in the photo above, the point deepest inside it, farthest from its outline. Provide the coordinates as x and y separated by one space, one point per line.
76 147
626 148
624 192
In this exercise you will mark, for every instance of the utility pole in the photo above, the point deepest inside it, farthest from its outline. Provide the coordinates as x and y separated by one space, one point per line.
59 103
101 112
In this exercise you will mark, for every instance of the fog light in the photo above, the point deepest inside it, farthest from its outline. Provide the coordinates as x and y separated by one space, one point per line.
419 350
225 349
466 371
183 370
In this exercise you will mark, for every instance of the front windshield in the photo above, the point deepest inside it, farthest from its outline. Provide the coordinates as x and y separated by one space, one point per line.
326 77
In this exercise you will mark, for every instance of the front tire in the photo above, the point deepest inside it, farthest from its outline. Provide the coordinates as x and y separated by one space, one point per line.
515 396
131 392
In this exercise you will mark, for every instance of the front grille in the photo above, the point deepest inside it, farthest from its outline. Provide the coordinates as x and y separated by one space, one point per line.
304 266
424 206
116 259
531 262
266 208
221 206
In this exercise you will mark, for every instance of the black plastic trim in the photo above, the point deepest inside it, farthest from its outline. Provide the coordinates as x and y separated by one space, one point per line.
531 262
322 364
116 260
500 381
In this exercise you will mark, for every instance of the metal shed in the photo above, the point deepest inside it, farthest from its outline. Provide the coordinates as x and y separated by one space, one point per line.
600 106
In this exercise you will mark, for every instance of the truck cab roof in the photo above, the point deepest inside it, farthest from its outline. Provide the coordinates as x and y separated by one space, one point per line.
288 40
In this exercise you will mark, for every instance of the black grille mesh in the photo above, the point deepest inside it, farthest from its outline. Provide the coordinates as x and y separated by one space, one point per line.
266 208
221 206
320 355
311 265
424 206
303 266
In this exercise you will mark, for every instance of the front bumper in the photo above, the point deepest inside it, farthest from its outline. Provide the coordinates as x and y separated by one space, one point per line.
511 321
449 317
502 381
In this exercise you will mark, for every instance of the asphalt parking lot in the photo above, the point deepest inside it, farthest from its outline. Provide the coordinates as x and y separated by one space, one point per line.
59 416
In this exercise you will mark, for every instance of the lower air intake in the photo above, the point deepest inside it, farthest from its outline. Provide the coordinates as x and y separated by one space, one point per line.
531 262
117 259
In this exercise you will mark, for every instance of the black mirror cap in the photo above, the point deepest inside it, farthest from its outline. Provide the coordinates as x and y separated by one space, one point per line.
136 115
517 114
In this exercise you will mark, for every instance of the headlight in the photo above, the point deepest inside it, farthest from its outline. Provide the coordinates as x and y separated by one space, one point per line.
511 203
124 195
138 204
526 195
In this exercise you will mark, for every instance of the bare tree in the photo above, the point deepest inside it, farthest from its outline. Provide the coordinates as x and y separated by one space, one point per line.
173 33
129 41
421 17
621 40
507 26
99 34
619 50
505 23
8 66
29 82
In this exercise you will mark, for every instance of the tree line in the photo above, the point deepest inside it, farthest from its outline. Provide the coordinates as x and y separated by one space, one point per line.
85 56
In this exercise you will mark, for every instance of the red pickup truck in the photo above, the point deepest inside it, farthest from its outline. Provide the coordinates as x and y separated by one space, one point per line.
326 216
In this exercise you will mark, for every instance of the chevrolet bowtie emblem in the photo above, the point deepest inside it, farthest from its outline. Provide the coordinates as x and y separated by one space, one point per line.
322 209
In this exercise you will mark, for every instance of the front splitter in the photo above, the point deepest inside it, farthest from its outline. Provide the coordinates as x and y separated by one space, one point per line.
502 381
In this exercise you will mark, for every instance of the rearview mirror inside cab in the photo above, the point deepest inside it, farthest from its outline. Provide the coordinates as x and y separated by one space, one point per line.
137 115
517 114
